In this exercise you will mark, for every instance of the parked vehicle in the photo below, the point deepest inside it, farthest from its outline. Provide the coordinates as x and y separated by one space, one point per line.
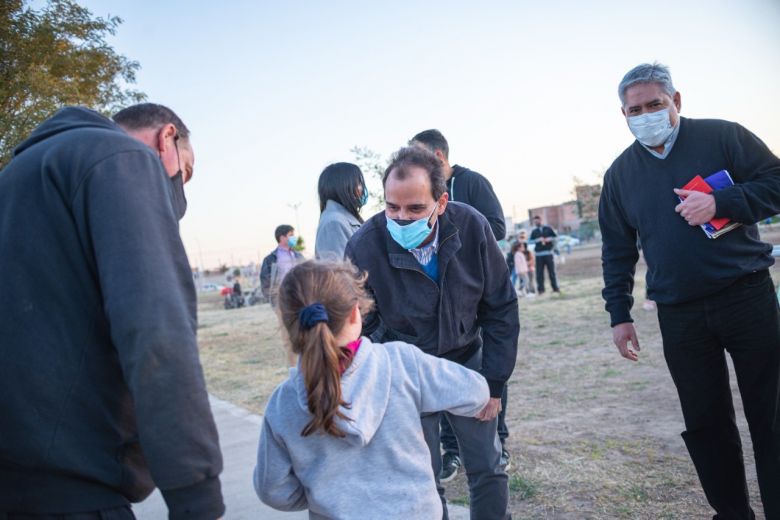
567 241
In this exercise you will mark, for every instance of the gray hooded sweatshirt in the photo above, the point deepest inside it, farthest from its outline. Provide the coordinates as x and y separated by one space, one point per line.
382 468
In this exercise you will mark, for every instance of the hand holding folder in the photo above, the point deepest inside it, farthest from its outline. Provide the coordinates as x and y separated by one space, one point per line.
717 181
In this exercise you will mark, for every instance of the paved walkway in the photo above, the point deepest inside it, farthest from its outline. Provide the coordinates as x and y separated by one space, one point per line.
238 433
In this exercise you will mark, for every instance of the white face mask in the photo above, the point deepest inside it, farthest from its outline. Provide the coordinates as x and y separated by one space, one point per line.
651 129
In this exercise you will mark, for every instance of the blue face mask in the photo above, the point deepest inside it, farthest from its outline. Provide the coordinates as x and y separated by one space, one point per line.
364 197
292 241
412 234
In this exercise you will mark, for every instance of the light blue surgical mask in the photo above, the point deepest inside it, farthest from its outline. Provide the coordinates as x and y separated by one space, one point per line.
410 235
364 197
292 241
652 129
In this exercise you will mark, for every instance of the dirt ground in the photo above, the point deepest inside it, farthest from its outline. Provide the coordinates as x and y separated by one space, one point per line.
591 435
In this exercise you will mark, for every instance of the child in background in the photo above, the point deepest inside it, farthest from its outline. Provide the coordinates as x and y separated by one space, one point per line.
521 268
342 435
530 261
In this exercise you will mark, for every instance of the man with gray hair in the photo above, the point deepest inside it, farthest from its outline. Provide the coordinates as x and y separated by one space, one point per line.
714 295
103 392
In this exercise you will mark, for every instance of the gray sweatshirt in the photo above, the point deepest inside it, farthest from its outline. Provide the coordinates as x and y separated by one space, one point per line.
336 226
382 468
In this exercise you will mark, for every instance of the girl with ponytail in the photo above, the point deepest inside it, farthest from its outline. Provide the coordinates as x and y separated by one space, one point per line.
342 435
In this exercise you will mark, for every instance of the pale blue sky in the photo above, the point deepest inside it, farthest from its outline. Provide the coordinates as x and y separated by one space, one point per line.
525 92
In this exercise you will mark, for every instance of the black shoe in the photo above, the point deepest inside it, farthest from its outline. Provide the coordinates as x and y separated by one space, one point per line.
449 467
505 461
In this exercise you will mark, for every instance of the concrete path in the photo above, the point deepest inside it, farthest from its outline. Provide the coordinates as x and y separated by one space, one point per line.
238 433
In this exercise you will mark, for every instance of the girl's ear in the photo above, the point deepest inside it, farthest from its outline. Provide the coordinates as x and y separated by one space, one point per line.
355 316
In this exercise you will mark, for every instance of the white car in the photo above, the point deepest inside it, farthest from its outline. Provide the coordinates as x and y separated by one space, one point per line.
567 241
211 287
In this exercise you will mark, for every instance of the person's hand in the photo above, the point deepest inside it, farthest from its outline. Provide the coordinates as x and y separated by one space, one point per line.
622 333
698 208
490 411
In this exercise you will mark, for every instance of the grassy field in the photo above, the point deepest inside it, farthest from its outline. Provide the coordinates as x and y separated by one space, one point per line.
591 434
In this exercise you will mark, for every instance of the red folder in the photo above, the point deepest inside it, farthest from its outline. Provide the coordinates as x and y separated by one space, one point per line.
699 184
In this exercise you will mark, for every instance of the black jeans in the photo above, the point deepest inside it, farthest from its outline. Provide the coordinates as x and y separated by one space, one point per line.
115 513
744 321
450 444
542 262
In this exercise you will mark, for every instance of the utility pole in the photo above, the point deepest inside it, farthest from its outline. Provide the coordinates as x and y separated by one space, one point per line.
202 266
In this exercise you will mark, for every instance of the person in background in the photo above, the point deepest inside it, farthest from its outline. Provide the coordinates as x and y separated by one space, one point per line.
529 262
476 191
342 191
352 406
520 267
103 392
276 265
543 238
713 295
464 185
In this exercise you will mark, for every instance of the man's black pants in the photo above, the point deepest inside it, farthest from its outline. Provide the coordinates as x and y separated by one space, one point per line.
542 262
744 321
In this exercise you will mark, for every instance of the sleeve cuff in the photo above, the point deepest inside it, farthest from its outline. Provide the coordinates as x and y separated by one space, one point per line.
618 318
496 388
200 501
724 202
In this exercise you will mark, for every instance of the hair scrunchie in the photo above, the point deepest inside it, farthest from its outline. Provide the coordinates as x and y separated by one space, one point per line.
312 314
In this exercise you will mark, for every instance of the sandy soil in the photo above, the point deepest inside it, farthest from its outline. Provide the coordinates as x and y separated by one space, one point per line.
591 434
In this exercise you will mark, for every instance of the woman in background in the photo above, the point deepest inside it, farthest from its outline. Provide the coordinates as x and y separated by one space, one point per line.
343 193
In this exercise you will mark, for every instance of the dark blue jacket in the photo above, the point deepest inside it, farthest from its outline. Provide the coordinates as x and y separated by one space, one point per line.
472 306
103 394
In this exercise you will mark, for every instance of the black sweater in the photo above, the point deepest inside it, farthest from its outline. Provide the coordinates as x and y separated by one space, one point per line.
683 264
469 187
102 391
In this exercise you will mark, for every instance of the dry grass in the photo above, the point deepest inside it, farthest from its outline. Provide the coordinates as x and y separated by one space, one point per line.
591 434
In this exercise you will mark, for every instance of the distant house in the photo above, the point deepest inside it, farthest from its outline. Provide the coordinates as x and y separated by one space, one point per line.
565 218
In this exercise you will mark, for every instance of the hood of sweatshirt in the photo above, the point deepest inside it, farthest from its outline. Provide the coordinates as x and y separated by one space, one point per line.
365 377
63 120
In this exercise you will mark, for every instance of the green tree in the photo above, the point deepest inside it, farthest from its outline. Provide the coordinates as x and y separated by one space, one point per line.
300 245
373 167
54 56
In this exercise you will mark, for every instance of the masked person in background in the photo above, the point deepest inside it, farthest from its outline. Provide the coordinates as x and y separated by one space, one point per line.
342 191
440 282
275 266
713 295
475 190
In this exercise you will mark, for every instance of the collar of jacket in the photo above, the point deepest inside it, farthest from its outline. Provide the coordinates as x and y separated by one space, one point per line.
449 244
